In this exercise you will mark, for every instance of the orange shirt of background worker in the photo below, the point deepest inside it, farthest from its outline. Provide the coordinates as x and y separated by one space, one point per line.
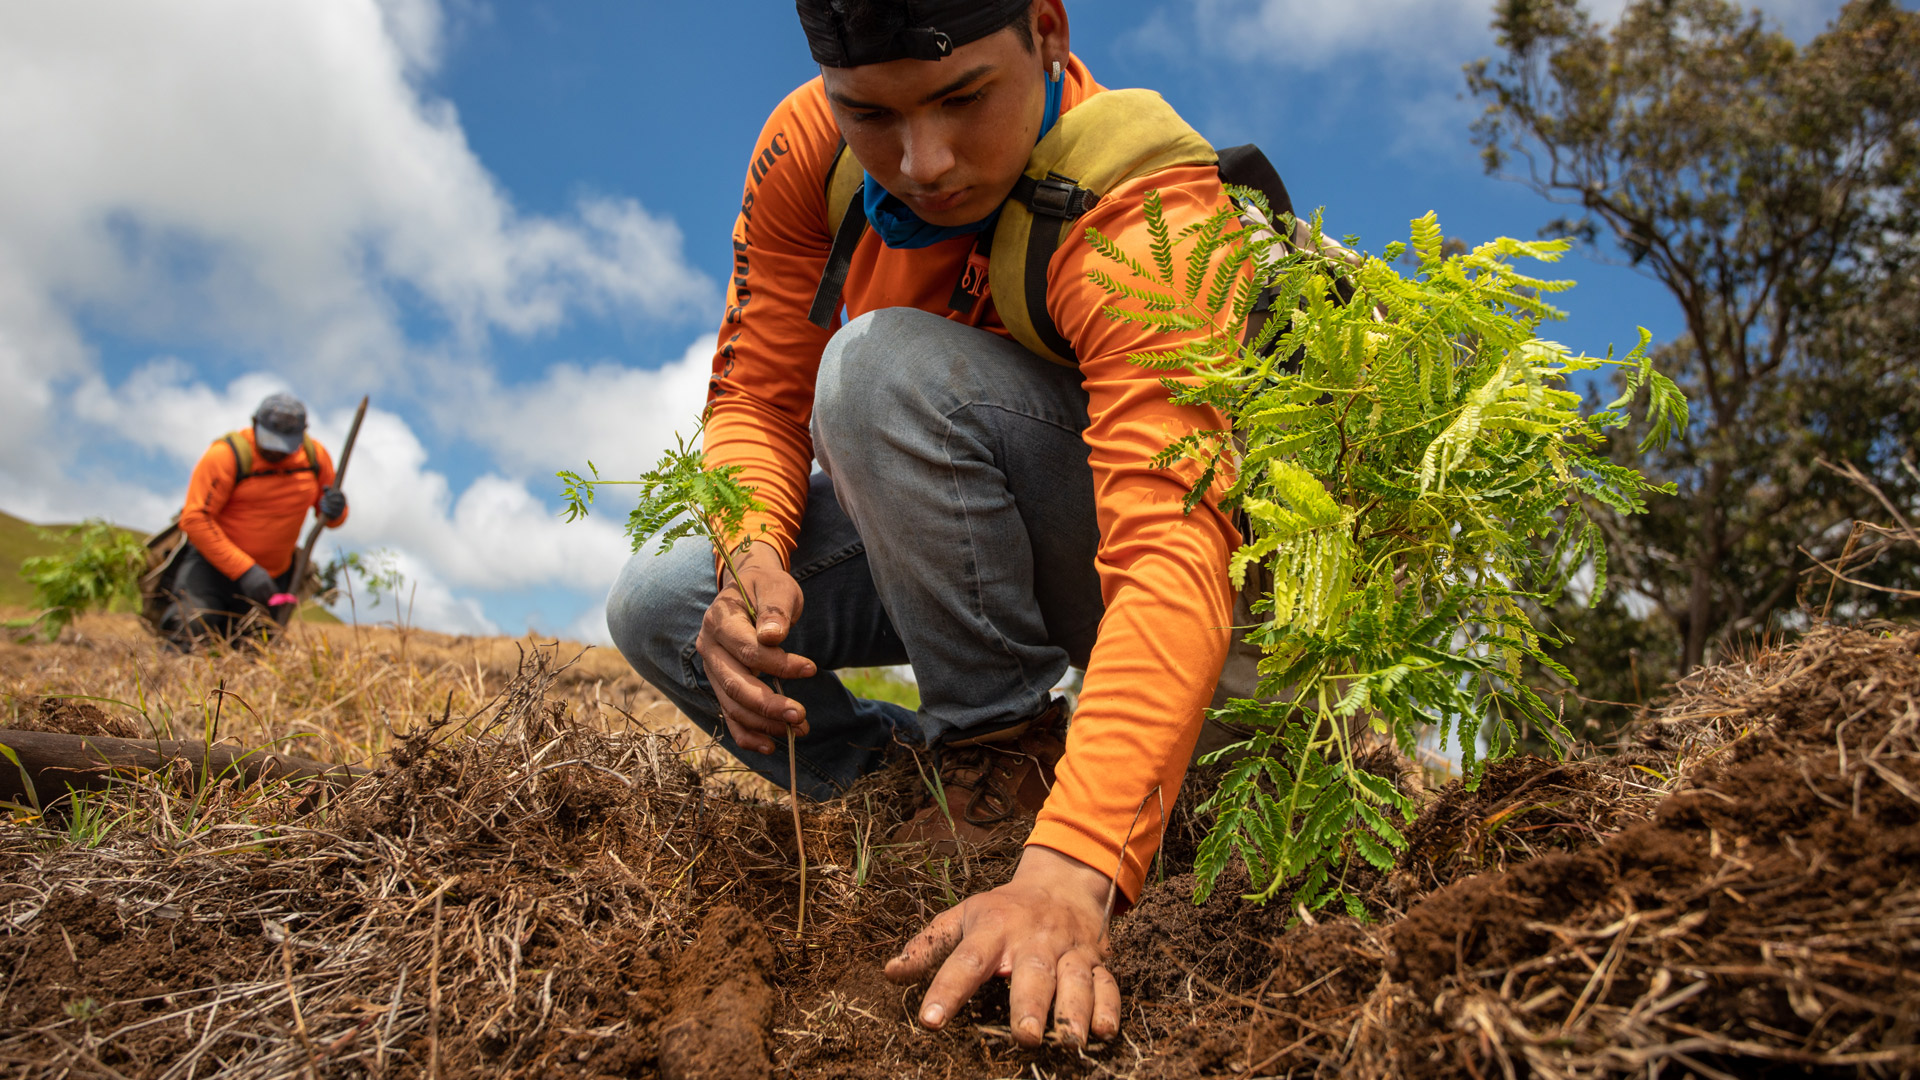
1162 572
237 524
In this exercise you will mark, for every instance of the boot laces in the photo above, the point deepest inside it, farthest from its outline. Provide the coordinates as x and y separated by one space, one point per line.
987 772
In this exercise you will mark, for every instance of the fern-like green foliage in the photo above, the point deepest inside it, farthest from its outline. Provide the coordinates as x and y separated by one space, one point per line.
1411 472
99 570
682 496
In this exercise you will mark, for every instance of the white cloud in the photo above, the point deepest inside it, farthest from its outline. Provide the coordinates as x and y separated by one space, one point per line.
1313 34
101 495
591 627
1431 35
496 534
160 408
265 178
423 600
416 28
269 182
211 158
620 418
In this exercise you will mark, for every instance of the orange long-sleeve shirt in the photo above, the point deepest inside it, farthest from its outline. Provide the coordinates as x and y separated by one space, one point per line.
236 525
1162 572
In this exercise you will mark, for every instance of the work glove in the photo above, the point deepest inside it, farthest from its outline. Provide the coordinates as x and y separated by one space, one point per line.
333 503
257 585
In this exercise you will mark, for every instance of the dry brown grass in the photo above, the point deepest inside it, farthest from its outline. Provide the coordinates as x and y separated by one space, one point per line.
515 893
1751 910
506 896
339 694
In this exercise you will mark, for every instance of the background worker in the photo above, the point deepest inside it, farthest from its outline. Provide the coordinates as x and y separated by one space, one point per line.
986 515
248 497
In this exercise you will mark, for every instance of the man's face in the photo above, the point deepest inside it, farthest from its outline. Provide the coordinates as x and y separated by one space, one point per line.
269 456
950 137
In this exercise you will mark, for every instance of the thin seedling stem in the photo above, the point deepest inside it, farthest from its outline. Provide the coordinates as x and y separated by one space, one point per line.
793 754
714 513
799 838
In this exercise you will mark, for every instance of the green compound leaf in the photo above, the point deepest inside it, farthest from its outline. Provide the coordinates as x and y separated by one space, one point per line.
1414 475
681 496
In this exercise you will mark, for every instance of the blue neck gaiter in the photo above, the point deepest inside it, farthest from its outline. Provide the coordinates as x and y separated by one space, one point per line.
900 227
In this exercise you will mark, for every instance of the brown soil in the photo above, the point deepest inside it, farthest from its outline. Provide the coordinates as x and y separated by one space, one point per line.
522 892
1521 809
722 1003
1777 901
1762 921
65 716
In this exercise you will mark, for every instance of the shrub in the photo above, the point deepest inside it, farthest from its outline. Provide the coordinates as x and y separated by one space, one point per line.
1412 474
100 569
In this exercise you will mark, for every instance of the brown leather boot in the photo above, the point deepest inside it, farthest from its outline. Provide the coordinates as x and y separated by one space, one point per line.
993 783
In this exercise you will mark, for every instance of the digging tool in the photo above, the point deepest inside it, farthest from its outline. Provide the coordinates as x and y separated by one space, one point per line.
304 558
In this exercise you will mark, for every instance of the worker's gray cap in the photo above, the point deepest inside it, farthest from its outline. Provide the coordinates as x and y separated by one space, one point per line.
280 423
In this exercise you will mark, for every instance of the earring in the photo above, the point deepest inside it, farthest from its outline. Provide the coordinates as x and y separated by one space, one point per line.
1057 75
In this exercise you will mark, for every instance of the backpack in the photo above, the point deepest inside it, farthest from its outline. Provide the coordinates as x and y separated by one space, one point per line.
1109 138
242 448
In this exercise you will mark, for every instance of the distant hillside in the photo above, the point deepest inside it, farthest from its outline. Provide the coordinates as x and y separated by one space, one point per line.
22 540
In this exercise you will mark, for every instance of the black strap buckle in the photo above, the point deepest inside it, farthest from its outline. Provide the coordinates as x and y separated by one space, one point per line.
1055 198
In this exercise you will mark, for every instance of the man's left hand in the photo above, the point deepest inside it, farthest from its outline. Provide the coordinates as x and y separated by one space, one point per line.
1045 932
333 503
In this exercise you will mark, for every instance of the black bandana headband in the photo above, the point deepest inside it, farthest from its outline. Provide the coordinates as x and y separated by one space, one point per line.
912 29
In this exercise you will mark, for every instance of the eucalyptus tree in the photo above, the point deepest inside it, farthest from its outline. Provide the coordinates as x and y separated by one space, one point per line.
1771 188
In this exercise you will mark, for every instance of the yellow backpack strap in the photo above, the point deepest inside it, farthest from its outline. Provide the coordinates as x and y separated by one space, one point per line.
242 454
1105 140
243 457
846 223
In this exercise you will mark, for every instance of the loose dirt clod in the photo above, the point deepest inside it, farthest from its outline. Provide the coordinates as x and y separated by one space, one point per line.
722 1005
64 716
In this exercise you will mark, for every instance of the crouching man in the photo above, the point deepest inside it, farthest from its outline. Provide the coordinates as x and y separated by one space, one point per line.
248 497
985 508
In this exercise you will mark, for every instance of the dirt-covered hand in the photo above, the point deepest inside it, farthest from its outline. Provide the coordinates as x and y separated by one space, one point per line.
1045 932
737 649
257 585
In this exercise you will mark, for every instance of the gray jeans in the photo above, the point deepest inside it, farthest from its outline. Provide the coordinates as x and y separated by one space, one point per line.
952 528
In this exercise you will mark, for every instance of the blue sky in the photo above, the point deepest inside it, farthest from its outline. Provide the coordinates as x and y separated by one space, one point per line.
508 222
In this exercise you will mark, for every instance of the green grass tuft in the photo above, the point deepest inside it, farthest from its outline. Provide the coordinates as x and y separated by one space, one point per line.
880 684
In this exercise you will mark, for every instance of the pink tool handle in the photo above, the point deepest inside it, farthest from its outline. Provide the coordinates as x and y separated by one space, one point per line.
280 598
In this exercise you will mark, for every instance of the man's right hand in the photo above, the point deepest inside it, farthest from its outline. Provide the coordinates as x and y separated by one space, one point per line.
736 650
257 585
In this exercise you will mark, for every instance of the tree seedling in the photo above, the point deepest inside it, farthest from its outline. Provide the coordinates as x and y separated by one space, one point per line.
377 570
99 569
681 497
1414 480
